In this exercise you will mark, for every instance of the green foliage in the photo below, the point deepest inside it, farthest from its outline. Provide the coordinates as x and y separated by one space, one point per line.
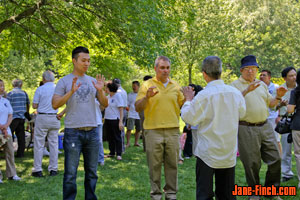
117 180
125 37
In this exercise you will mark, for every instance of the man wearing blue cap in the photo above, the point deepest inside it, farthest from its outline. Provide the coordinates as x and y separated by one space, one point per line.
256 140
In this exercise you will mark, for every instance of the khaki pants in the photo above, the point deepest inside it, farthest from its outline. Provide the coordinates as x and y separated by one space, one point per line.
296 141
162 149
256 143
10 159
46 126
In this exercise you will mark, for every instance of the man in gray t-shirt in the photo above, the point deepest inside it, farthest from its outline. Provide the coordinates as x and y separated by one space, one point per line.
78 92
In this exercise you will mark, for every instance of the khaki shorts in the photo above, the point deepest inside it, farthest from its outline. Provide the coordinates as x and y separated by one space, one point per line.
134 122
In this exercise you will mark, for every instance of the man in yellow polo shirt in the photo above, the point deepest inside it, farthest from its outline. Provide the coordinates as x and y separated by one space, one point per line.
161 99
256 139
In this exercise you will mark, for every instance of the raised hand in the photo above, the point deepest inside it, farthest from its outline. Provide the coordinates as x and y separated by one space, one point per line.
188 93
100 82
281 91
253 85
151 92
74 86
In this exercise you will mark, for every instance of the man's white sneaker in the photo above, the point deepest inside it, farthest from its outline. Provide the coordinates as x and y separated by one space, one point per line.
15 178
1 181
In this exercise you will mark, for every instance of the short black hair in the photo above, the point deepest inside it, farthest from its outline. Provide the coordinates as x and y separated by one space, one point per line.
268 72
197 88
1 80
286 70
77 50
112 87
136 82
147 77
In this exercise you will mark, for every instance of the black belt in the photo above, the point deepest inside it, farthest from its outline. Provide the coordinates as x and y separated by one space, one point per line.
47 113
252 124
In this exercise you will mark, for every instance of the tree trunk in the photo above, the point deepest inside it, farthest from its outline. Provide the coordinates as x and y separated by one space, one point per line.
190 74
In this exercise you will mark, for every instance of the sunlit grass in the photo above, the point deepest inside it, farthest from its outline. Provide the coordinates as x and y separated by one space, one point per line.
118 180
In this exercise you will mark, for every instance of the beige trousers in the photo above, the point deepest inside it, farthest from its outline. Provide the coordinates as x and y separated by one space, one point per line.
46 126
10 159
296 141
162 149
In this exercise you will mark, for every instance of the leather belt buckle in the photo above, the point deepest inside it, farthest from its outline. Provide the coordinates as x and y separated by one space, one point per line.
85 128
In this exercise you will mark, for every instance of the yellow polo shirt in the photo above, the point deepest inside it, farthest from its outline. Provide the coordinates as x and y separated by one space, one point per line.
257 101
162 110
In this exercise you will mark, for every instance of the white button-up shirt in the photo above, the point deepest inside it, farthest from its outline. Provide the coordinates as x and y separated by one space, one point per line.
43 97
216 109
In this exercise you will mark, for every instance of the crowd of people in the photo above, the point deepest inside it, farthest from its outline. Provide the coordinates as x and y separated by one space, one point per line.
221 121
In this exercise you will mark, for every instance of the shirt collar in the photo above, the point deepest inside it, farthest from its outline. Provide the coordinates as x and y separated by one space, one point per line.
155 79
215 82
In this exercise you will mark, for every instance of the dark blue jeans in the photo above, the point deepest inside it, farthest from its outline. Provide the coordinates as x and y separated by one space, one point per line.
75 142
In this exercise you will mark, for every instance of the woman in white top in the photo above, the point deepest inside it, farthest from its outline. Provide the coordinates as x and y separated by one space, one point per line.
6 138
113 121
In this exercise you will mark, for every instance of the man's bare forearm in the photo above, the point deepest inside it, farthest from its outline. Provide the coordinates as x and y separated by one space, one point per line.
58 101
140 105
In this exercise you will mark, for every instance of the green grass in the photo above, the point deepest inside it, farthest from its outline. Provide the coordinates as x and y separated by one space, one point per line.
126 179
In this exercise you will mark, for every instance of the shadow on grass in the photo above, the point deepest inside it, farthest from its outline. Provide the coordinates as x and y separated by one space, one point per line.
118 180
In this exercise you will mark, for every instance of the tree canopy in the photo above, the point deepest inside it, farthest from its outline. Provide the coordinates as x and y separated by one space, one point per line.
125 37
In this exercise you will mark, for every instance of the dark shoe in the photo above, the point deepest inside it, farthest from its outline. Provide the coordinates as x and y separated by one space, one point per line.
285 179
53 173
37 174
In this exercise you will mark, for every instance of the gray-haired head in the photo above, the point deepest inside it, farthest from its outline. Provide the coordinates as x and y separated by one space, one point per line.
212 66
17 83
164 58
48 76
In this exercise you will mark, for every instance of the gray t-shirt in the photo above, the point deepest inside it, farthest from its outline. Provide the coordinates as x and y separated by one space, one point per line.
81 107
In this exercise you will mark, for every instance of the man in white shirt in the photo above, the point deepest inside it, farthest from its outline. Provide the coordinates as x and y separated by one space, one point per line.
289 75
265 76
47 125
133 116
216 110
124 97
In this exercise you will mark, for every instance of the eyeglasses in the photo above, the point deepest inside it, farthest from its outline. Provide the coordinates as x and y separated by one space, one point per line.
250 68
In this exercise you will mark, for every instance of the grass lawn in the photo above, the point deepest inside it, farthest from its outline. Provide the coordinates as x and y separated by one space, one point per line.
126 179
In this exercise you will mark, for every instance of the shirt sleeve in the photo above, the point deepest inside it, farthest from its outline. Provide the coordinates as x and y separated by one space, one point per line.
180 98
119 100
9 97
10 110
60 88
193 112
36 97
292 100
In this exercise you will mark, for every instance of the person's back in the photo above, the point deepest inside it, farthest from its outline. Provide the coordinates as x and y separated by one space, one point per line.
216 110
18 100
45 92
46 125
221 106
20 103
